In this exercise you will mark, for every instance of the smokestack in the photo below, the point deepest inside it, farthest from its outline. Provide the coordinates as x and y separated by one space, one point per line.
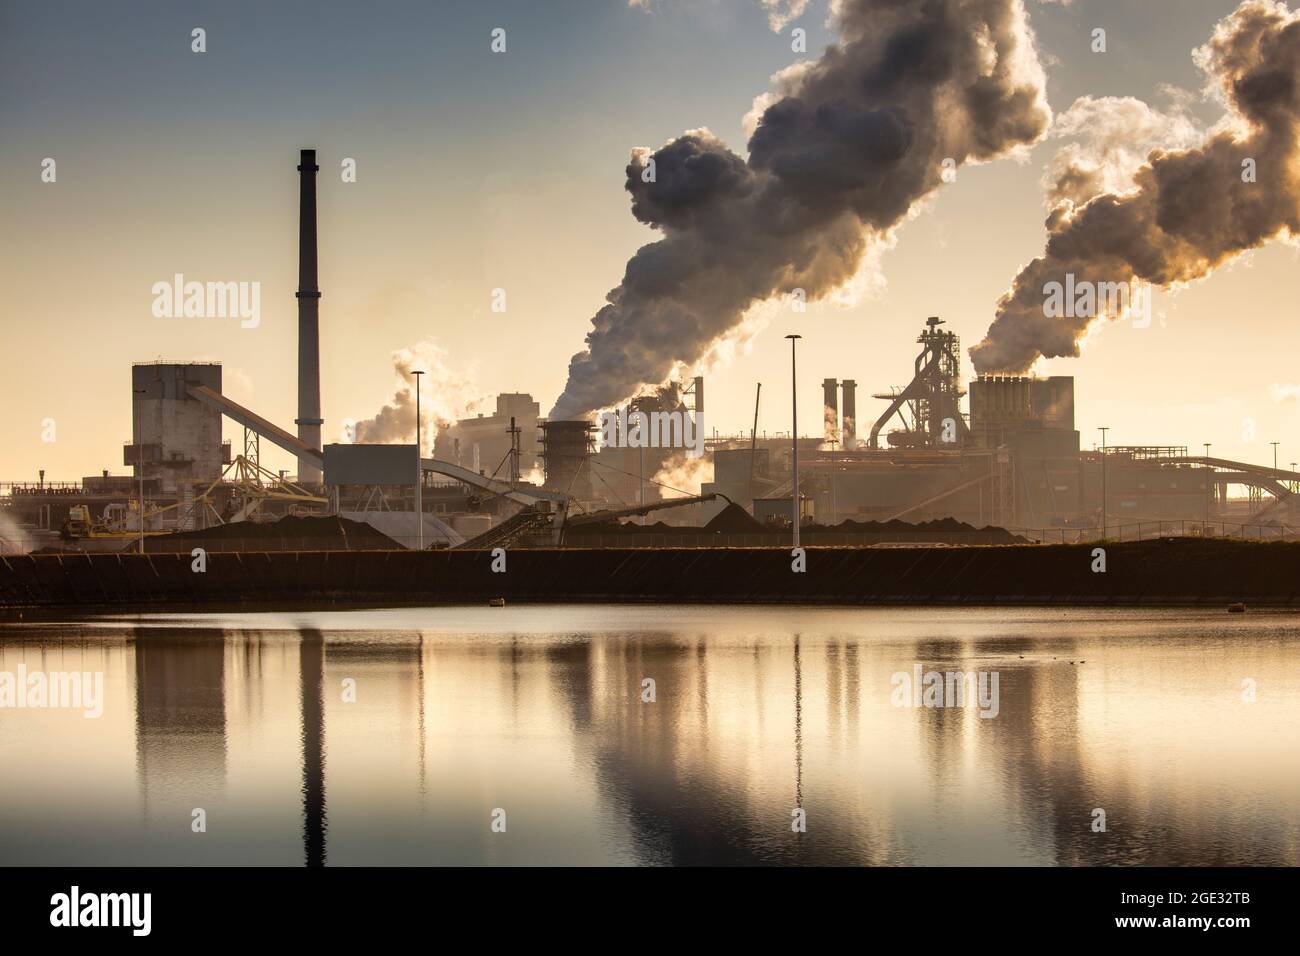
850 388
699 399
308 420
830 412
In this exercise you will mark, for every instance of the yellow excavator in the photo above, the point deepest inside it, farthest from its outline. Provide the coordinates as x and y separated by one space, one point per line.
79 524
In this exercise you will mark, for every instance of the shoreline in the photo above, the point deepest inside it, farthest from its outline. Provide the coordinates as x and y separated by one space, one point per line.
1167 572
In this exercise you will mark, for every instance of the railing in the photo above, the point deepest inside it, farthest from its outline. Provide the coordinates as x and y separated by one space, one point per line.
1168 528
163 545
1132 531
37 487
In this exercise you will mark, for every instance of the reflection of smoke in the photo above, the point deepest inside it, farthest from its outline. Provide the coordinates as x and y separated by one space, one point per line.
842 152
445 396
1190 210
683 476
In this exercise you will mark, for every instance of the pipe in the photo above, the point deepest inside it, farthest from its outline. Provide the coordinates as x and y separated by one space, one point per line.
830 412
849 414
753 446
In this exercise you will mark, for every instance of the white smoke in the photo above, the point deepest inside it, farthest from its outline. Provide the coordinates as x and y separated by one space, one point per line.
445 396
1189 210
680 477
843 150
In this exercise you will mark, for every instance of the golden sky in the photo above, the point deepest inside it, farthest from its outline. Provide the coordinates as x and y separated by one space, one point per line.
479 172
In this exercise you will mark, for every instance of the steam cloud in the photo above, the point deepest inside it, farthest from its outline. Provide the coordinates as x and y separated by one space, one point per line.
445 396
844 149
1190 210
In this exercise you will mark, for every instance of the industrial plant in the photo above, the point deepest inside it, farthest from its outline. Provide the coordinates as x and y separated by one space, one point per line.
939 463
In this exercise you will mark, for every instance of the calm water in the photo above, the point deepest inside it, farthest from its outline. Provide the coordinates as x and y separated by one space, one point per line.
538 712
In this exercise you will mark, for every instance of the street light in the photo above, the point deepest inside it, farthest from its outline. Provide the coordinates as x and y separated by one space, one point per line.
419 469
1209 487
794 437
1103 480
139 461
1274 444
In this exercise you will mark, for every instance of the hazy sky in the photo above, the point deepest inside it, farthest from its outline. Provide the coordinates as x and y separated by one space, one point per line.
479 171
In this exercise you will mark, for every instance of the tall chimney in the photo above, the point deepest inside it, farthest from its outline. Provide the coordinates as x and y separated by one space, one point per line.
699 399
308 420
850 413
830 412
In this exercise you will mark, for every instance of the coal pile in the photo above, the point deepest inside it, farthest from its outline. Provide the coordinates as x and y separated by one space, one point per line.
938 529
290 533
734 521
614 526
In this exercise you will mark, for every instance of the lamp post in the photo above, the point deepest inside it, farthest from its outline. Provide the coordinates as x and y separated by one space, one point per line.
139 461
1103 480
794 438
419 470
1209 487
1274 444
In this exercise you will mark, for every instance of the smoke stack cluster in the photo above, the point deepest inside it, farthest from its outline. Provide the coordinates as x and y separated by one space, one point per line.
1191 209
841 153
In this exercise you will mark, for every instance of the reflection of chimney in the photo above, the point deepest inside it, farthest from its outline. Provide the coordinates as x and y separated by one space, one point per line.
830 412
308 420
850 412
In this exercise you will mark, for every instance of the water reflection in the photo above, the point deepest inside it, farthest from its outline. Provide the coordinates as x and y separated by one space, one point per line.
311 665
755 715
180 711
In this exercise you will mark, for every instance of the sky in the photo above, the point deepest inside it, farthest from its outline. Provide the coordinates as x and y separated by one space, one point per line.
479 171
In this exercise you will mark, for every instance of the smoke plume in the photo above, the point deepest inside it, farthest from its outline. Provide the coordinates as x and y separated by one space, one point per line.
843 150
1189 210
681 476
445 396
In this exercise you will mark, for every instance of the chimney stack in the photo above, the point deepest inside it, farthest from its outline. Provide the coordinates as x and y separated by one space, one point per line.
850 411
308 420
830 412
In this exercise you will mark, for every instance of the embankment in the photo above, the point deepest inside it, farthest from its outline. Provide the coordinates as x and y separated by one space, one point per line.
1162 572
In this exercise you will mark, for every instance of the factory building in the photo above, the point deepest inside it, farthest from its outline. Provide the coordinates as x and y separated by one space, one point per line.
1013 460
483 443
176 439
567 448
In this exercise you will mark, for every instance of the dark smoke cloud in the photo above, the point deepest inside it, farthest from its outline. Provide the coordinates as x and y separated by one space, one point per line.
844 149
1190 211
